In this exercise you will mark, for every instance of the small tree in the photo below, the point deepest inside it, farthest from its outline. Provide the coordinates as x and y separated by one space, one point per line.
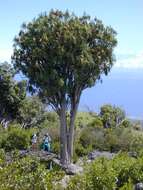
62 55
12 94
112 116
32 112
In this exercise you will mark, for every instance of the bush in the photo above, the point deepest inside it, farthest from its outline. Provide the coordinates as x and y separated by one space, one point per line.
122 173
26 173
136 171
56 147
16 138
87 137
78 182
122 165
137 142
96 122
127 186
102 175
99 175
82 151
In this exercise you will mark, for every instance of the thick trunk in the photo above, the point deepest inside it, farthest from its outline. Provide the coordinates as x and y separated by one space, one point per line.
67 132
71 132
64 158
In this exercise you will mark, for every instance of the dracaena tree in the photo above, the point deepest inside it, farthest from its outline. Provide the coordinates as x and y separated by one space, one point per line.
63 54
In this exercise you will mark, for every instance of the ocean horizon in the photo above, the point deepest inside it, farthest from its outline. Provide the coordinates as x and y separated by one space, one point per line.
122 87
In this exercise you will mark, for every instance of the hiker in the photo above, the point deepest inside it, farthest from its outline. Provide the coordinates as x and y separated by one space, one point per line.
47 143
34 142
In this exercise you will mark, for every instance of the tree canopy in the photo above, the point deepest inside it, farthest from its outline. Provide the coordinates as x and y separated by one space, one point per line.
63 54
31 112
12 93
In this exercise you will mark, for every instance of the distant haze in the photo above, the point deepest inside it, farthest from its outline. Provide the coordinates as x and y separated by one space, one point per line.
122 87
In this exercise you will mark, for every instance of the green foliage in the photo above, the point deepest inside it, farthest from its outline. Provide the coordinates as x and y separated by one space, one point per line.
16 138
122 164
70 47
112 116
25 174
110 139
2 156
126 123
12 94
120 173
51 120
84 119
78 182
118 139
80 150
102 175
136 171
99 175
127 186
96 122
31 112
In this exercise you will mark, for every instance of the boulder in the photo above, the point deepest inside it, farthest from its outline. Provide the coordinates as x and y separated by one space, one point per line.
95 154
139 186
73 169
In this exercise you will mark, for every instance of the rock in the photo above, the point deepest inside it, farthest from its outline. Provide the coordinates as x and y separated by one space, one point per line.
132 154
139 186
73 169
96 154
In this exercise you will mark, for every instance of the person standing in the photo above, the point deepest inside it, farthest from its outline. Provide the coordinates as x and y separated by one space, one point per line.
34 142
47 143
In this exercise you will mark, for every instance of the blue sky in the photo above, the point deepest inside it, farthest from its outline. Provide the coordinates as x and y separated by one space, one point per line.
125 16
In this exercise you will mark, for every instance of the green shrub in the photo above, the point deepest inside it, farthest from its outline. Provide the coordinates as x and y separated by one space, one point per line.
82 151
136 142
136 171
102 175
122 172
87 136
122 164
78 182
25 174
98 175
111 140
56 147
127 186
96 122
16 138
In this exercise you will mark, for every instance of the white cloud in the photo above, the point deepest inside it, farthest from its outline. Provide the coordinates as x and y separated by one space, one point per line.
134 61
5 54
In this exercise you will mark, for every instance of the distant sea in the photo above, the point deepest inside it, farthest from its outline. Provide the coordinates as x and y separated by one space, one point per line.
122 87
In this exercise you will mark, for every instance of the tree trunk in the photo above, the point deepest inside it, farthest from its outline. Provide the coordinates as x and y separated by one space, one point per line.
64 158
71 131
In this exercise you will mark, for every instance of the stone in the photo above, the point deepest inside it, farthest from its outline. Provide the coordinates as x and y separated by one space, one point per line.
73 169
96 154
139 186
